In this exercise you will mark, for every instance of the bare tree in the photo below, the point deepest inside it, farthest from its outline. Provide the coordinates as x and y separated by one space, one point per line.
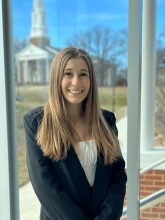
121 78
160 114
160 89
160 60
19 44
82 40
104 45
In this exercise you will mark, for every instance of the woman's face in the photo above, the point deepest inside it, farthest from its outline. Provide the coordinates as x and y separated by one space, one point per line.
76 82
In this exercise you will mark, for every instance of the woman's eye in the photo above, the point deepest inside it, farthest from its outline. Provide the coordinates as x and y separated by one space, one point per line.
68 74
83 74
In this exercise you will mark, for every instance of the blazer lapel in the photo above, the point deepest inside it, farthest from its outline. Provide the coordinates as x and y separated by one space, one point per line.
79 175
100 187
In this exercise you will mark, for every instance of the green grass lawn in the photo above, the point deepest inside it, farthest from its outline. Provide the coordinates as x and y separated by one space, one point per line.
33 97
106 98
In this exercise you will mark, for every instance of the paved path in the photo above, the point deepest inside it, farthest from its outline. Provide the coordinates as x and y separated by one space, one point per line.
29 204
122 131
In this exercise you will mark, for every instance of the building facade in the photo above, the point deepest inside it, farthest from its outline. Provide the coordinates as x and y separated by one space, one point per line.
34 60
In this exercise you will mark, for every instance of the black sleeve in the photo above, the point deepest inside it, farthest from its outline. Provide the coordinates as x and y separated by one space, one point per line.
112 206
111 120
54 200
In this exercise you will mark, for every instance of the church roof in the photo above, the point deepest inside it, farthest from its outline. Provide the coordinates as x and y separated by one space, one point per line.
51 49
33 52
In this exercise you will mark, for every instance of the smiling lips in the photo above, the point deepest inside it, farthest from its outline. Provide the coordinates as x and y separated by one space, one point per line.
75 92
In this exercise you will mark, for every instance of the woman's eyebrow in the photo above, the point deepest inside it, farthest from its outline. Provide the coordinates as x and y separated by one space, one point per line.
67 69
80 70
84 70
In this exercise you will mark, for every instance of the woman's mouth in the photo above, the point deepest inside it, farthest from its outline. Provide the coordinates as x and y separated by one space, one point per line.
75 91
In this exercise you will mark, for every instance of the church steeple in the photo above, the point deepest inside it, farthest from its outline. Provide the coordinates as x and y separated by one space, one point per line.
39 32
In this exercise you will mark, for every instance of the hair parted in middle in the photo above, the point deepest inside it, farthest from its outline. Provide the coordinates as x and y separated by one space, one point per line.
55 135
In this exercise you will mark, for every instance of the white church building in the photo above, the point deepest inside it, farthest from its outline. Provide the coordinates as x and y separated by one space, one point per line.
34 60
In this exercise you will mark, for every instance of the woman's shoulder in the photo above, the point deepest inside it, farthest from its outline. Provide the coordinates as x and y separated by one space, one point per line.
108 115
110 119
34 116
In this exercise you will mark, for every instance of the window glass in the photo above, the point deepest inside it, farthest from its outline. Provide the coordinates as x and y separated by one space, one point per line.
160 78
152 181
99 27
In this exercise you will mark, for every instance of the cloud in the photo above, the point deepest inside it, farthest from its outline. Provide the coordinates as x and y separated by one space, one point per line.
102 16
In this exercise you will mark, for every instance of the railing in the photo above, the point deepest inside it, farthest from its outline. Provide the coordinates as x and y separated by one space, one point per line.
153 196
152 166
148 199
120 113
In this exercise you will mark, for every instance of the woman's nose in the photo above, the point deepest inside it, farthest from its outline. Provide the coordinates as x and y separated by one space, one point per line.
76 81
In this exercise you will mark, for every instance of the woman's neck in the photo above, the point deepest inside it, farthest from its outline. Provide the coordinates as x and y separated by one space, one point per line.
75 112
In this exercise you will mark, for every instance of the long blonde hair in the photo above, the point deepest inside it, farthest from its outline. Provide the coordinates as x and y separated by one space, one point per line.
55 134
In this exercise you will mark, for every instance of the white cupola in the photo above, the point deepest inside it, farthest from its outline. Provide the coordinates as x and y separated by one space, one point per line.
39 29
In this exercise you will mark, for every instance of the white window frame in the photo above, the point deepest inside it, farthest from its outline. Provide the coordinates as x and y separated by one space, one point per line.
9 194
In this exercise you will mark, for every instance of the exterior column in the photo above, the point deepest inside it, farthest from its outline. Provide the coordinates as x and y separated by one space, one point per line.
18 72
25 71
38 71
148 75
35 73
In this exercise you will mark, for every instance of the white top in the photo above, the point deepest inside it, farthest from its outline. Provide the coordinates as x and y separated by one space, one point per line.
88 162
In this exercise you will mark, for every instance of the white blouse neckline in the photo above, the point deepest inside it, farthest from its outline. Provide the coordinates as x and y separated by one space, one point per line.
88 162
84 141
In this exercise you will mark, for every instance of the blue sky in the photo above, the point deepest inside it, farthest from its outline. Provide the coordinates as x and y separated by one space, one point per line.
66 18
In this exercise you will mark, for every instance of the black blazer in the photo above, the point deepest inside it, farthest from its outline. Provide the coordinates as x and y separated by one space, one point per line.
62 187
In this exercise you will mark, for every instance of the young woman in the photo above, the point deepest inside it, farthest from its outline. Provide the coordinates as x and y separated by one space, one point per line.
73 154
